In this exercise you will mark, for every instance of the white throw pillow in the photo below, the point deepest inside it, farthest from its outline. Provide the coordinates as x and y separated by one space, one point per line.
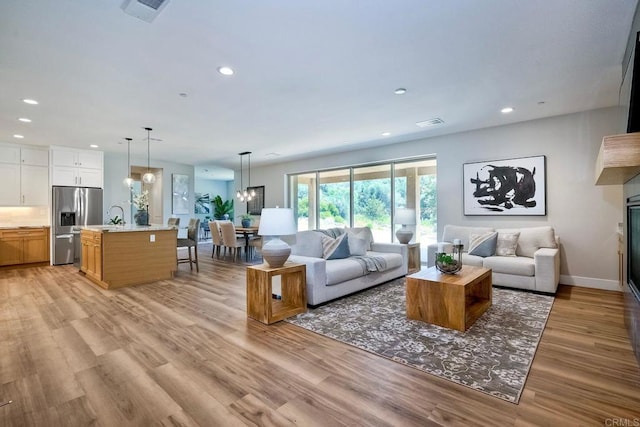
507 244
357 246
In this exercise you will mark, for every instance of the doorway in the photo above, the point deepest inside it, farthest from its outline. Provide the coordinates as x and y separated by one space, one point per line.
156 214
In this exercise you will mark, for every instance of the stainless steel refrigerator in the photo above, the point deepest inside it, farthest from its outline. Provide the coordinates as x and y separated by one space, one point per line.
73 207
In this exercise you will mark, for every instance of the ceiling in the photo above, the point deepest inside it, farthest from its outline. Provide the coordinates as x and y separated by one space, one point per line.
311 77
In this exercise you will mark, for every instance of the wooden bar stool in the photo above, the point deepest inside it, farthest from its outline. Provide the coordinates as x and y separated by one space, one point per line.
191 242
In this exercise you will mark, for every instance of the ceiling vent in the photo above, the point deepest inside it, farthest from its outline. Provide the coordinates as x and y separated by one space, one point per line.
430 122
147 10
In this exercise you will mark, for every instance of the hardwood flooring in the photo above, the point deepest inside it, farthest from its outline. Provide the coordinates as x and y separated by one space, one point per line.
182 352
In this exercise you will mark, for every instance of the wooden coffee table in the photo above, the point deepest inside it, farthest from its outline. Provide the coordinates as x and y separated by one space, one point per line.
453 301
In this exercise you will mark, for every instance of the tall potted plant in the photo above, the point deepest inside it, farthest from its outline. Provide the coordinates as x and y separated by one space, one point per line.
222 209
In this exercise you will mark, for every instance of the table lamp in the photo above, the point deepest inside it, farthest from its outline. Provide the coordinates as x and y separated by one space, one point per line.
276 222
405 217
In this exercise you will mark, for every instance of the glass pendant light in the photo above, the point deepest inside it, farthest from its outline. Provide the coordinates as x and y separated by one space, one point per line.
245 194
128 181
148 178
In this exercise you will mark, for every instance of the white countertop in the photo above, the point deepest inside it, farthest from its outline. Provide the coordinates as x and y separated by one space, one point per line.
127 228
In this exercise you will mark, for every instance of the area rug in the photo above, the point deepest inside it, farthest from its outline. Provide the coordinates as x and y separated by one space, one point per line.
493 356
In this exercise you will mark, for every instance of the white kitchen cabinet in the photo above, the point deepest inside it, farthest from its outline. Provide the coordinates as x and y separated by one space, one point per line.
25 176
10 188
83 168
34 185
34 157
9 154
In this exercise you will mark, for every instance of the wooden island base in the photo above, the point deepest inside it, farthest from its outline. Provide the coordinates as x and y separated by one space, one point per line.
125 258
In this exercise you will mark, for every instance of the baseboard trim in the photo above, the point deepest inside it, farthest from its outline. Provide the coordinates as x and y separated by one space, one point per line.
590 282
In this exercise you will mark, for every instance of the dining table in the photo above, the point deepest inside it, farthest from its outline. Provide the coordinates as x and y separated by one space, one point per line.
247 232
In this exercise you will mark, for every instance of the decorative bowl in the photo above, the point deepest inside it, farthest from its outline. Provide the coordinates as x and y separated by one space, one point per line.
447 264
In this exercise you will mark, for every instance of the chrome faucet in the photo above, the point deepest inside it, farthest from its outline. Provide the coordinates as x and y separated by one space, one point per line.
121 211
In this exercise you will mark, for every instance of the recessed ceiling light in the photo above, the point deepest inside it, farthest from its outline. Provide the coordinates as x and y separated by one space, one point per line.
400 91
93 146
225 71
25 120
18 136
540 102
183 94
506 110
30 101
386 133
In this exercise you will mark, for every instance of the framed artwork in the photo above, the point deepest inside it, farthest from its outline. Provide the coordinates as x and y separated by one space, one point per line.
180 192
255 205
505 187
203 204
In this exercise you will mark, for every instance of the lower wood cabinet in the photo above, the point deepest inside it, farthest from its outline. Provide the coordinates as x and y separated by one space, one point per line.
24 246
91 264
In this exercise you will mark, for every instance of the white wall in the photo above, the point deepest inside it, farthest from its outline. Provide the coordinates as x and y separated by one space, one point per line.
214 188
584 215
115 192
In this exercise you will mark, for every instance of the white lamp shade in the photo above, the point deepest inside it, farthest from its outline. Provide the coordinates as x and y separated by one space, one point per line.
405 216
276 222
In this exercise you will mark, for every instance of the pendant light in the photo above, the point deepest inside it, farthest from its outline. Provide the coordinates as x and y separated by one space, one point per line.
148 178
245 194
128 181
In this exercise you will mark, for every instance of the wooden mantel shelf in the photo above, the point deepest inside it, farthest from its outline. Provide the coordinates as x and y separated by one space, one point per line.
619 159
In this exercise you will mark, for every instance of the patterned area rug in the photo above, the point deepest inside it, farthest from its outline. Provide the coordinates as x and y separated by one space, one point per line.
493 356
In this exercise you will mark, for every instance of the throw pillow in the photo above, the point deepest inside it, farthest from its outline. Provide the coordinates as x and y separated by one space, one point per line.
484 244
362 233
335 248
357 246
507 244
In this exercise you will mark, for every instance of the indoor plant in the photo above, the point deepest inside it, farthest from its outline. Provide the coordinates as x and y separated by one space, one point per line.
141 202
222 210
246 220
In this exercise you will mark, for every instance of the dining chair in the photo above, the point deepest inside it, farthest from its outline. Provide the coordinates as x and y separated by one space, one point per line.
255 241
255 245
191 242
173 222
216 238
230 239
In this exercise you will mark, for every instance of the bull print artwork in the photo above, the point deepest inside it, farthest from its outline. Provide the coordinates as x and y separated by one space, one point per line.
505 187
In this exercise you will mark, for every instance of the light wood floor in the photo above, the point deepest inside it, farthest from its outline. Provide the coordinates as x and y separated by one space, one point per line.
182 352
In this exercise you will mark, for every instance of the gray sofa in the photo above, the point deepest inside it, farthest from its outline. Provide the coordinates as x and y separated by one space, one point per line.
328 279
535 266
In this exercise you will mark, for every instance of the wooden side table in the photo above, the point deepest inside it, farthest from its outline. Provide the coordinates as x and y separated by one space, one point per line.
413 251
260 304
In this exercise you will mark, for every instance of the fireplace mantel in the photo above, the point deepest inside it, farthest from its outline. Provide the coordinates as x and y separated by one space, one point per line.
619 159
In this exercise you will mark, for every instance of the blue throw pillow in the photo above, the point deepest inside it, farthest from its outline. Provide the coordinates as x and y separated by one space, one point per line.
335 248
483 245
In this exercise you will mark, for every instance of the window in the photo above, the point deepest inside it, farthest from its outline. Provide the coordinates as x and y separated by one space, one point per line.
415 188
368 195
372 200
334 192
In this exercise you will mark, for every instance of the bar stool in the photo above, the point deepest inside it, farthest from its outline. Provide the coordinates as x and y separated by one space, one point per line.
191 242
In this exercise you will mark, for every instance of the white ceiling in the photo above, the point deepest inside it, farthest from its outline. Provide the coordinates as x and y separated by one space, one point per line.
312 77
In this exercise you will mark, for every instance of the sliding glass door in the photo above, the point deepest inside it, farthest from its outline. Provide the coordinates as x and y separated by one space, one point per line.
371 196
372 200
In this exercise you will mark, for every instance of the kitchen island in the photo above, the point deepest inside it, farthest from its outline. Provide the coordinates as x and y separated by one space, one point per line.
118 256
